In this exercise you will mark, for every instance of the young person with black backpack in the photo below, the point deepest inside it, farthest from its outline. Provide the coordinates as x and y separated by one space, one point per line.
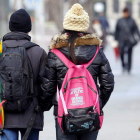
74 66
21 68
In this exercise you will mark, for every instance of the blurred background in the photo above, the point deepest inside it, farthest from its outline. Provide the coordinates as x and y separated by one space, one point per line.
122 113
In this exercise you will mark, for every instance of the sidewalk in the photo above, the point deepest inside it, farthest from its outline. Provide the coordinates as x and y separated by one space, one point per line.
122 113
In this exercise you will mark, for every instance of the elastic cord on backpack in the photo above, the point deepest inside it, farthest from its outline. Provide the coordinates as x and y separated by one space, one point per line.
1 112
1 48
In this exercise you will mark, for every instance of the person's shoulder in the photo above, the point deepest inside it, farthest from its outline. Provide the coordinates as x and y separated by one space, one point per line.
102 55
120 19
36 50
37 47
52 55
132 19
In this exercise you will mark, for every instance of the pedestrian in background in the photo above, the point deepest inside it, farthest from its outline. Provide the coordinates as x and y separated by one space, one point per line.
21 67
127 35
79 47
104 22
98 29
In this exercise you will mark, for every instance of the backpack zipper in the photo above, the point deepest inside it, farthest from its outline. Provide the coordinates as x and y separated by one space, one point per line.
4 91
91 88
3 55
65 87
21 90
80 119
21 84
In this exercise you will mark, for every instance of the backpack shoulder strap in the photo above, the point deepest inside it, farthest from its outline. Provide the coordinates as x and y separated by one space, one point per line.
88 64
63 58
31 123
29 45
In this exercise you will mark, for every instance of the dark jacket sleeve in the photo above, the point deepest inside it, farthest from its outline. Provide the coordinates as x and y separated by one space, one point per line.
136 30
117 31
43 60
106 80
49 83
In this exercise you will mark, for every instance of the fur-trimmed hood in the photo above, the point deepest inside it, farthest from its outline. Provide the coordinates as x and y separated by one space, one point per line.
61 40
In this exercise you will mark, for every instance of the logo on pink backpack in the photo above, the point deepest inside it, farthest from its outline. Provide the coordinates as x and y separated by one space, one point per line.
78 105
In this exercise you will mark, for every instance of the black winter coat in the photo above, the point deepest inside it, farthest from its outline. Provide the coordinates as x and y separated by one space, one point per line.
120 34
37 57
85 49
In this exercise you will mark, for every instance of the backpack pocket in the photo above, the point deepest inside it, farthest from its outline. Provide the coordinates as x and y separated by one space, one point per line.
78 125
15 79
12 91
87 121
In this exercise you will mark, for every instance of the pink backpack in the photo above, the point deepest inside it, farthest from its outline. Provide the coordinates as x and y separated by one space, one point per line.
78 105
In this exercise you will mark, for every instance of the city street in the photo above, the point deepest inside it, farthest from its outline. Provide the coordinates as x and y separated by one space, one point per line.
122 113
110 20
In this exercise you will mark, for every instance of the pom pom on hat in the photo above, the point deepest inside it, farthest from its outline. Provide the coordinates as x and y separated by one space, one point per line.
77 9
76 19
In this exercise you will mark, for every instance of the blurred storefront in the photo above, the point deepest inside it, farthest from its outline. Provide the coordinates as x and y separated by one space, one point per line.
115 7
4 10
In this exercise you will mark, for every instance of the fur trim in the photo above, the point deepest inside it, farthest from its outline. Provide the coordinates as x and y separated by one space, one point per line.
60 40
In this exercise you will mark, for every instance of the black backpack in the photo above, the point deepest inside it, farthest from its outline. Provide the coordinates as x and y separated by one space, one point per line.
16 77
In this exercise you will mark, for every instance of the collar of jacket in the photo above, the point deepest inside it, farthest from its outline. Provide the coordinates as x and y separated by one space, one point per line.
61 40
16 36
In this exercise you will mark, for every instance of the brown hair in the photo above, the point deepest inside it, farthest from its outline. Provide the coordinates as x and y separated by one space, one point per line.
71 39
125 10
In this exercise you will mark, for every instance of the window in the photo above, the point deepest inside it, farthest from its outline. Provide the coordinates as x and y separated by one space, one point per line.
116 6
129 6
139 10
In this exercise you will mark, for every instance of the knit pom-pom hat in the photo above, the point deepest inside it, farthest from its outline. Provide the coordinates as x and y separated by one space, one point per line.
76 19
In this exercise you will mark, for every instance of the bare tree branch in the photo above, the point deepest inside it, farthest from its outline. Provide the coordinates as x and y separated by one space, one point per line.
56 12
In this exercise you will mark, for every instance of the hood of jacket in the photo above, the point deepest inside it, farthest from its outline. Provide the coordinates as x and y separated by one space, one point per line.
16 36
85 46
13 39
61 40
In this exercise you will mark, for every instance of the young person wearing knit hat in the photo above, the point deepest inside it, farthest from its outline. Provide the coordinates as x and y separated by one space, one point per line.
16 43
79 47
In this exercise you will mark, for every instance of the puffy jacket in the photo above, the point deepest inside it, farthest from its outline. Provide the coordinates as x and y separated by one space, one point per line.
37 57
55 70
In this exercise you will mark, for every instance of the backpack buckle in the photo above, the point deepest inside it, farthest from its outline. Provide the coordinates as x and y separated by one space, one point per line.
3 55
1 132
37 109
71 113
